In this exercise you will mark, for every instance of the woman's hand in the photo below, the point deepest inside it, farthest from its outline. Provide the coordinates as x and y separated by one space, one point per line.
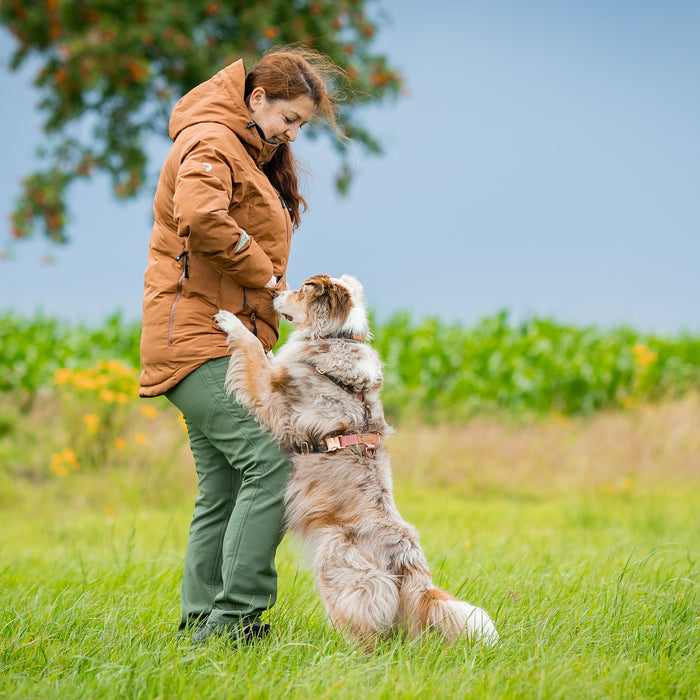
274 283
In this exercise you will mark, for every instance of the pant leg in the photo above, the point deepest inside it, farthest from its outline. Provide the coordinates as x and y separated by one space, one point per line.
252 518
218 486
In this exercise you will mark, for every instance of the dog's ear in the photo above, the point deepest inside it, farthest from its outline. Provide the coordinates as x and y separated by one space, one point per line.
328 298
339 302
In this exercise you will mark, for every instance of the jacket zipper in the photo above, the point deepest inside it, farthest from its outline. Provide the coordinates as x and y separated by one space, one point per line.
185 274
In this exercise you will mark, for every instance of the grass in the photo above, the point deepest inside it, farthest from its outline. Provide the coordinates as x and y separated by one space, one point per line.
581 538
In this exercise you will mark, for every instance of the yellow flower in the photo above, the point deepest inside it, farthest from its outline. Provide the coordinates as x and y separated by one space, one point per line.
92 422
62 375
115 366
119 443
148 411
141 438
62 463
643 356
83 380
68 456
103 380
107 396
121 397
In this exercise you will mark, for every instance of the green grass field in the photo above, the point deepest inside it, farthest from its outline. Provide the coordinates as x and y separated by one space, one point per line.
580 536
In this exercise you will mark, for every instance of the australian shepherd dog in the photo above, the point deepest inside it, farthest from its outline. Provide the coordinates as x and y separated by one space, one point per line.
319 398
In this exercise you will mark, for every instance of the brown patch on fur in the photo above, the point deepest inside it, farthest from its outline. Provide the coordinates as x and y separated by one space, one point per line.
280 380
327 517
339 302
438 594
425 603
318 282
250 379
318 521
327 298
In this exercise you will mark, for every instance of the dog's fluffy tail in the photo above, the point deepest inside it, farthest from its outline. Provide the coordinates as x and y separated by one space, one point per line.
435 609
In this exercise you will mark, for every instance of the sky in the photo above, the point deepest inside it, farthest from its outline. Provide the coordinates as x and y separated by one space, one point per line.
545 160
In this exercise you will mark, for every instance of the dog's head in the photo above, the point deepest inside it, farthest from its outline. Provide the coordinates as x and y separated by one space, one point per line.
325 306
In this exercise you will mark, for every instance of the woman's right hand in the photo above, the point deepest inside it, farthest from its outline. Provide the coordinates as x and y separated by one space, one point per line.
274 284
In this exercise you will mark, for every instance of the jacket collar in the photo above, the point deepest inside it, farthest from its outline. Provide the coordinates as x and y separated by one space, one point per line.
220 100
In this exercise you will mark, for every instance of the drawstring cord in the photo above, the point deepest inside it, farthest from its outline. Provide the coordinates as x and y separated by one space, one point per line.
186 267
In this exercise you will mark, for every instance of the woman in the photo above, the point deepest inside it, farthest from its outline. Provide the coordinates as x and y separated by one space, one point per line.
226 203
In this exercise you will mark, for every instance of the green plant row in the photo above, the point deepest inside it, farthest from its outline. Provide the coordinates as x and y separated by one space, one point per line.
433 371
32 349
438 372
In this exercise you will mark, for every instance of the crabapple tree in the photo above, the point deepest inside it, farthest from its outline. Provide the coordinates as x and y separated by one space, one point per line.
110 71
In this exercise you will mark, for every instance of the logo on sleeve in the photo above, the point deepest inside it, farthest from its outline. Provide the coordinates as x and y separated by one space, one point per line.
207 167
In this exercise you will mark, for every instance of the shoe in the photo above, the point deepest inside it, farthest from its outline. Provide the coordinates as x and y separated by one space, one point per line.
237 632
194 623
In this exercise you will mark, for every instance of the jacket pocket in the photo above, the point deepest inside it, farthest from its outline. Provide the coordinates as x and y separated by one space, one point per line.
184 256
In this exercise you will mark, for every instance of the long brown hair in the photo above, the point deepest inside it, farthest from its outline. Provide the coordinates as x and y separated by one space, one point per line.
287 73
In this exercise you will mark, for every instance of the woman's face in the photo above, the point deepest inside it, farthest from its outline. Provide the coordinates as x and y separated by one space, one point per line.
280 120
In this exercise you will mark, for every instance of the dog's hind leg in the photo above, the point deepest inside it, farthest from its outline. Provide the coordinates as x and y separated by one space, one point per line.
423 606
360 598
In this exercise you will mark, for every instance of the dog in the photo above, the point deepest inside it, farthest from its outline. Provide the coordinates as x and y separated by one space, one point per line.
319 398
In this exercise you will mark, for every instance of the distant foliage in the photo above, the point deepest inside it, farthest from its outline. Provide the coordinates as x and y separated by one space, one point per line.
433 371
109 72
439 372
32 350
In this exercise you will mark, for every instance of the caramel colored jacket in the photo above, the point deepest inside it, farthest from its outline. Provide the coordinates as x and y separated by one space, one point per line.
221 232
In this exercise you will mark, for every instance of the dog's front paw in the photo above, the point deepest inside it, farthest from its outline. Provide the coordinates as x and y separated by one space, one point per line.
229 323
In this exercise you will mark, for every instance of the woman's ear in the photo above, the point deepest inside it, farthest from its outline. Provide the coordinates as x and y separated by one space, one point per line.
256 98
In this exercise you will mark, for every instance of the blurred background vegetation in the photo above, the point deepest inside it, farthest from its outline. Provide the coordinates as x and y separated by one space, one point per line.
84 379
434 372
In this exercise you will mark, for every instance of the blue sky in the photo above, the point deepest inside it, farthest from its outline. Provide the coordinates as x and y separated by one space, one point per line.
546 160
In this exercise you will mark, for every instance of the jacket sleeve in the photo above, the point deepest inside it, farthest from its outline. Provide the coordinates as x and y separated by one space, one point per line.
201 200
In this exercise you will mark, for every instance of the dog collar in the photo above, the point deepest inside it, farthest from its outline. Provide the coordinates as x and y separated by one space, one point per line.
370 442
346 336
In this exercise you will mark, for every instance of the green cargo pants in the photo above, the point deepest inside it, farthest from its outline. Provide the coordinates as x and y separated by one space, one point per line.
229 572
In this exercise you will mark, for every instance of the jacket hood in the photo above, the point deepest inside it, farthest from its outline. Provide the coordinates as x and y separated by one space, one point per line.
220 100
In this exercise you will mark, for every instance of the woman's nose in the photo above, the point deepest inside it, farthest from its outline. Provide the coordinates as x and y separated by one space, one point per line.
292 132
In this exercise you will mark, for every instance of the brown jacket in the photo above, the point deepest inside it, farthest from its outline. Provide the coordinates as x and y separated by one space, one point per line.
221 232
